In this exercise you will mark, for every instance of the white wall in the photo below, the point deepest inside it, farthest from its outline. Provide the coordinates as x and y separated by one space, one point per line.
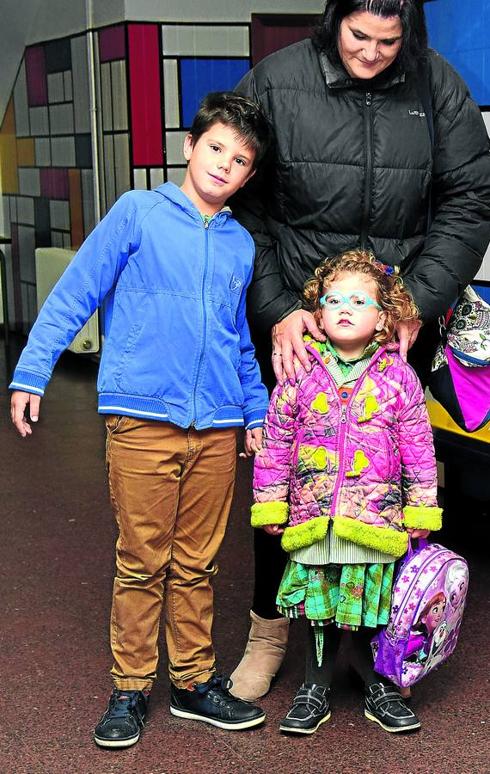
214 10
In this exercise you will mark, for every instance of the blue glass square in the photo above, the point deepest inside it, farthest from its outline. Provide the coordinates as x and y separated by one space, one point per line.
199 76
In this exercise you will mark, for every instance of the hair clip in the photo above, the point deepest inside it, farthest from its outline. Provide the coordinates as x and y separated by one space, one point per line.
385 269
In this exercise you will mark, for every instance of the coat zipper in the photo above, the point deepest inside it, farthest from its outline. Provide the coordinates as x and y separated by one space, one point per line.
204 320
369 169
343 430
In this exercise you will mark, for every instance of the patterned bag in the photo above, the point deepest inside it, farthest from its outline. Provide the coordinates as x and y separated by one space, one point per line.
427 606
460 377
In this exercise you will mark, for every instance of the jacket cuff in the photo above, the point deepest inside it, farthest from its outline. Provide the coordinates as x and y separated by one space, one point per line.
275 512
254 418
385 539
422 517
28 382
305 534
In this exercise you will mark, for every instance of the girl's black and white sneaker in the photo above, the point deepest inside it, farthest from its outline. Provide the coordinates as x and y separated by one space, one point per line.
385 705
311 708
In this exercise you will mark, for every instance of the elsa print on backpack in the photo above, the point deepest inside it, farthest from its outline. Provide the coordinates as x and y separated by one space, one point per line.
427 606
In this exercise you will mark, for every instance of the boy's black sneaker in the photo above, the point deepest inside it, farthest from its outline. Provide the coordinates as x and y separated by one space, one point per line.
310 709
122 722
213 703
385 706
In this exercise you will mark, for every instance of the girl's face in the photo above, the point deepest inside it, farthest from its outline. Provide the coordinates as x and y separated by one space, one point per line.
350 313
368 44
434 616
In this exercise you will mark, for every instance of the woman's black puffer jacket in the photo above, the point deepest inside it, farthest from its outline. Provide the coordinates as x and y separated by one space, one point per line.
352 166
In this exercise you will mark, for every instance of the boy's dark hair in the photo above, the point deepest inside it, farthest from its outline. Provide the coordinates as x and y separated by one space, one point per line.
410 12
237 112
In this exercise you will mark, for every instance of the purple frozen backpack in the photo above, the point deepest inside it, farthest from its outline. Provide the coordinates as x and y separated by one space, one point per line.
427 606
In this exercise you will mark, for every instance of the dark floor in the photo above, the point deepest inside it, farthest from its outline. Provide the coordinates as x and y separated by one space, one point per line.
56 564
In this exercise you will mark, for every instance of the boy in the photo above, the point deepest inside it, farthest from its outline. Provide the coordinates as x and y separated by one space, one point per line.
177 376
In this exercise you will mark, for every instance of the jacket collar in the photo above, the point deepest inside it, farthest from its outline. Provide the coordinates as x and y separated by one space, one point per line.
177 196
316 349
338 78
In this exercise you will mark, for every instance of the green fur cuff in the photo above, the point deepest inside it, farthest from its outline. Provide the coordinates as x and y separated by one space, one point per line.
422 517
385 539
275 512
303 535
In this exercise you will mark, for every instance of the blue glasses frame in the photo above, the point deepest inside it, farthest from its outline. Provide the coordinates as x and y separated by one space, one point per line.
339 300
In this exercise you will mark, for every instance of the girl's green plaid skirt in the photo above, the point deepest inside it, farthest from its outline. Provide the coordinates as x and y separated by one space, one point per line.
349 595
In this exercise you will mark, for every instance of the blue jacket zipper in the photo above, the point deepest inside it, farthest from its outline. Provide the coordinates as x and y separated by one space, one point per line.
204 321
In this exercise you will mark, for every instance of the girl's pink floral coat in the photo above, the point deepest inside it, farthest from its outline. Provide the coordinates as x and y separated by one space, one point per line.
368 466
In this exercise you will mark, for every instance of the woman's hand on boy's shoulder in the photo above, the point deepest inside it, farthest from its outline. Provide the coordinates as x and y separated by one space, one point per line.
253 442
18 404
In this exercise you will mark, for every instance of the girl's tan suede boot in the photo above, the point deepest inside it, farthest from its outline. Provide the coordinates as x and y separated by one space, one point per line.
264 654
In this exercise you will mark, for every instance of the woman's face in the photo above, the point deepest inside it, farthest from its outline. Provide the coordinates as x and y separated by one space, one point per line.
368 44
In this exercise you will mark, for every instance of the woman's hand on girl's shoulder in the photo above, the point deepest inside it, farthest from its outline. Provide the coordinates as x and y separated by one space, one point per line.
287 341
407 333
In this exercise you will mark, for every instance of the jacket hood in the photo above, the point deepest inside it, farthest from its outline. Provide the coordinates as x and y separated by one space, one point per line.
314 350
175 195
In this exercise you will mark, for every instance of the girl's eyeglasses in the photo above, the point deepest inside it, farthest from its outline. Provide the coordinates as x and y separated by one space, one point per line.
357 300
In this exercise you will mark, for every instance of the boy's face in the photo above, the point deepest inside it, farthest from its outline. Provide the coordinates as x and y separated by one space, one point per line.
219 163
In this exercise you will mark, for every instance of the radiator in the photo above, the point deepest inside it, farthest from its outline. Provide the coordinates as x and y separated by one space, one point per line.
50 265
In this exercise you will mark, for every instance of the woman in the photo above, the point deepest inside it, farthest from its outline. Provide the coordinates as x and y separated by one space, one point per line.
353 166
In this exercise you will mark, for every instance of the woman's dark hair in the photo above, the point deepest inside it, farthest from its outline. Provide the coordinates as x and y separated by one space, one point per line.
237 112
412 17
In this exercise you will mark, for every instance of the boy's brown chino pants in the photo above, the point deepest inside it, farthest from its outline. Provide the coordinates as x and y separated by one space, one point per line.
171 492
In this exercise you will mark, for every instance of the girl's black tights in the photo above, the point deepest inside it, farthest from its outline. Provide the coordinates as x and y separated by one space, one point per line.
322 675
361 657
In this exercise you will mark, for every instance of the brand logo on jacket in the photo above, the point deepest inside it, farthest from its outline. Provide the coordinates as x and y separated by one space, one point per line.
235 284
419 113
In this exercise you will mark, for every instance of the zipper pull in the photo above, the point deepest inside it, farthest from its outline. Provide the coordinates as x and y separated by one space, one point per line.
368 98
343 418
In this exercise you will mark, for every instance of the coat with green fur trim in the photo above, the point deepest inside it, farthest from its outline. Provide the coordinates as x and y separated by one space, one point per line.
368 466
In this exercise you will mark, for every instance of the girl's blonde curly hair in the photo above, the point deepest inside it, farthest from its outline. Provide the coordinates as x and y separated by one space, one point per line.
394 300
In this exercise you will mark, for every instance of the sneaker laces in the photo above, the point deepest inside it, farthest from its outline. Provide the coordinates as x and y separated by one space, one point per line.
215 683
218 690
123 703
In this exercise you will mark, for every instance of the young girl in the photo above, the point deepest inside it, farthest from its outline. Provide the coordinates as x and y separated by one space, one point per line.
347 473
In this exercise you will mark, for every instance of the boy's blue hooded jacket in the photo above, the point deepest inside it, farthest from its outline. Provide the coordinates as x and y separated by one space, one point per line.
177 345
